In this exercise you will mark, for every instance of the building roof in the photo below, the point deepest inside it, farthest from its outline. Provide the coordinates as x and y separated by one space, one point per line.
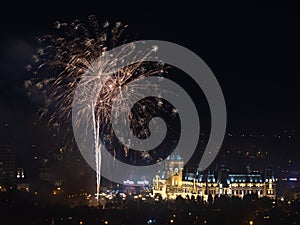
175 156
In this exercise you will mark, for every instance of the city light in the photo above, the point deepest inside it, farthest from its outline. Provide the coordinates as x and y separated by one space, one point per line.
293 179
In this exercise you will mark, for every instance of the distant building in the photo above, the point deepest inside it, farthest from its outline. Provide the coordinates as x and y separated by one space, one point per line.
22 185
130 186
173 182
7 166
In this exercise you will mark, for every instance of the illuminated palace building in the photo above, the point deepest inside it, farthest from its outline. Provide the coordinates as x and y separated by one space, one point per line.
174 182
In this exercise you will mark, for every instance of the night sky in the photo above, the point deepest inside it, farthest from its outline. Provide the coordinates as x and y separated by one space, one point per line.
254 53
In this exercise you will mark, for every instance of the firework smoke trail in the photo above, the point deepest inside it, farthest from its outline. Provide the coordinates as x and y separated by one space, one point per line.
61 61
97 146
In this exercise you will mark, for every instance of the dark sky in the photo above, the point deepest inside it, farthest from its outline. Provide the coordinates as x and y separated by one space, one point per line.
253 52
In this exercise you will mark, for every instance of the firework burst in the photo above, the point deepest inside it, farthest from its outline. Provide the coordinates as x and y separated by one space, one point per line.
62 60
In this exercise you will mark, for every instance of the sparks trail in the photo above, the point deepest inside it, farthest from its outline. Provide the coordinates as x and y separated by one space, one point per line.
62 59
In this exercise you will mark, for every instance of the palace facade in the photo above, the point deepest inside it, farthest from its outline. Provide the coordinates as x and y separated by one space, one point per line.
174 182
